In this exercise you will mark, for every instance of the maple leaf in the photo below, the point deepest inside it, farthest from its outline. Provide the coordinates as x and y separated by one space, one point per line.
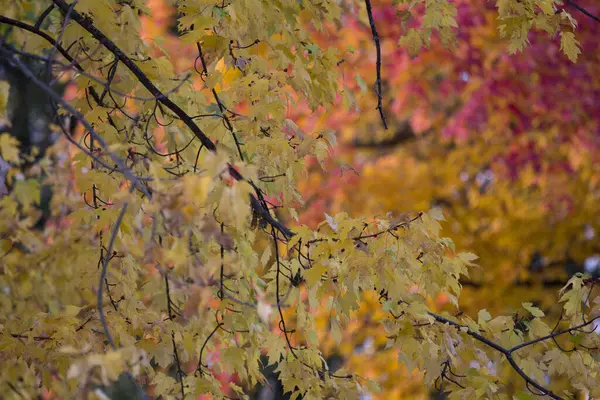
569 45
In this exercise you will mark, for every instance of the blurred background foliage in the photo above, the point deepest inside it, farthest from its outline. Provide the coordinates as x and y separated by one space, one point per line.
506 145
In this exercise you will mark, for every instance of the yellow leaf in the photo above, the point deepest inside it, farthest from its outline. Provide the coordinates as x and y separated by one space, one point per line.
71 311
483 316
200 23
467 258
413 42
546 6
437 214
569 45
9 148
536 312
213 78
313 275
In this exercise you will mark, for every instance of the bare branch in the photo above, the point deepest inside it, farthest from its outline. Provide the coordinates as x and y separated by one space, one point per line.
378 91
43 16
103 272
583 10
506 352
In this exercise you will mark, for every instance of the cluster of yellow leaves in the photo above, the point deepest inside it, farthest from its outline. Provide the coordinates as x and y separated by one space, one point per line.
516 19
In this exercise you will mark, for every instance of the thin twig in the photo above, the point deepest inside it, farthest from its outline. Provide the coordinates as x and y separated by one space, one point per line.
506 352
583 10
200 365
222 108
43 16
59 37
378 91
57 98
103 272
180 373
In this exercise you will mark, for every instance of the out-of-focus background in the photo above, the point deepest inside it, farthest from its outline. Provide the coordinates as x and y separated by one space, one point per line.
506 145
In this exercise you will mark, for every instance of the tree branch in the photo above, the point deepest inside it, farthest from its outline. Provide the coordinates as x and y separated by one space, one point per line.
49 39
58 99
87 24
583 10
553 335
43 16
508 352
378 63
403 134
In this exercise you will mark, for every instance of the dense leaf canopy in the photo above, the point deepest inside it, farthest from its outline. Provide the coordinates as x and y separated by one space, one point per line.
150 241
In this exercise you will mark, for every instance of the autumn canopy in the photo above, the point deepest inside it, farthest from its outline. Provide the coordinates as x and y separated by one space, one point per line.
299 199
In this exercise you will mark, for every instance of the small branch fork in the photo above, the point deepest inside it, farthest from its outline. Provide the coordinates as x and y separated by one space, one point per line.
448 375
508 352
378 90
